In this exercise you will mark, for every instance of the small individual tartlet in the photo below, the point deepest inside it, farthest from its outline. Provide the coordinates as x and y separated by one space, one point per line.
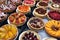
3 16
23 9
16 2
54 15
29 35
35 23
55 6
52 28
17 19
42 4
8 32
49 38
40 12
30 3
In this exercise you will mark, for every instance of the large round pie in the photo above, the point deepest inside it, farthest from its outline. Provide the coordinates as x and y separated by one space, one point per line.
55 15
8 32
17 19
40 12
29 35
52 28
35 23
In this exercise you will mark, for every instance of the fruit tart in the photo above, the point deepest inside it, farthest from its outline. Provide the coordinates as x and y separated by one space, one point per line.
23 9
3 16
29 35
16 2
49 38
53 14
9 7
52 28
30 3
17 19
55 6
35 23
42 4
40 12
8 32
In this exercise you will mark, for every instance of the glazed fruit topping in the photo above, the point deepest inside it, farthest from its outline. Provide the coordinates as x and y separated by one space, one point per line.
43 4
55 28
17 18
41 11
36 23
54 15
29 1
30 36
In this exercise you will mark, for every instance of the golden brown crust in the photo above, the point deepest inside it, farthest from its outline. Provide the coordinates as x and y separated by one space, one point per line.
50 31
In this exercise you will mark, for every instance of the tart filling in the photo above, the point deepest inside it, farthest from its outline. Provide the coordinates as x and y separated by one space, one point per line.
29 2
29 35
23 9
54 15
56 1
3 16
16 1
41 11
17 19
8 32
35 23
42 4
7 8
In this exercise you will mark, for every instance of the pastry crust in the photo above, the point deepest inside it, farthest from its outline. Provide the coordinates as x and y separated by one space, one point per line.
22 34
32 28
39 15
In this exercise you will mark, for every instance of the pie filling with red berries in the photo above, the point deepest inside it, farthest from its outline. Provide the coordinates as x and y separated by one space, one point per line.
17 18
54 15
29 35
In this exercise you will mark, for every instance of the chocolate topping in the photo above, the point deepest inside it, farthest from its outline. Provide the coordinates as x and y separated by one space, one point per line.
41 11
55 28
43 4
